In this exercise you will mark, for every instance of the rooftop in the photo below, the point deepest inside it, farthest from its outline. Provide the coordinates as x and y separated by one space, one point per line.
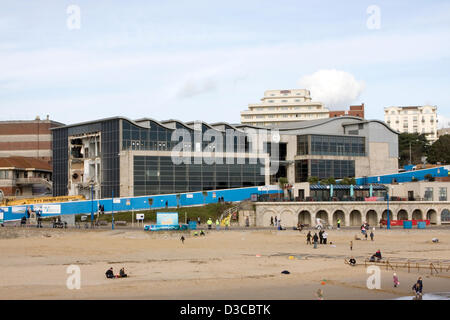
25 163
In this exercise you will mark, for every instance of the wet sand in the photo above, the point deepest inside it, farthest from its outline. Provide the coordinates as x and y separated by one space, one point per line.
233 264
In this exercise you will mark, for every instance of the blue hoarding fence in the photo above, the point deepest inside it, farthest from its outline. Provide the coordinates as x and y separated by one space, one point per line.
138 203
403 176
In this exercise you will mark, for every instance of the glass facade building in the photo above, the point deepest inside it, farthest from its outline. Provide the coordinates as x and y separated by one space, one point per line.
328 145
323 169
158 175
148 144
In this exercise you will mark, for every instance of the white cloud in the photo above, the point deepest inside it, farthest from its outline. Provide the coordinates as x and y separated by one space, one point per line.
335 89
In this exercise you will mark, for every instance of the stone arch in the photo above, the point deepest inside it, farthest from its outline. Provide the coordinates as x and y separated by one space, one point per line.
432 216
339 214
445 215
402 214
385 213
355 218
417 214
372 217
322 214
266 217
304 217
288 218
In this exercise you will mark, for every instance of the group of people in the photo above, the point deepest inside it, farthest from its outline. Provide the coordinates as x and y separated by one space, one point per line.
365 227
322 237
417 288
110 273
210 222
101 209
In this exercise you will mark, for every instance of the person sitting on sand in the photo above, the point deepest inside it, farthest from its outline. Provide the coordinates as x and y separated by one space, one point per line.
352 261
202 233
122 273
378 254
109 273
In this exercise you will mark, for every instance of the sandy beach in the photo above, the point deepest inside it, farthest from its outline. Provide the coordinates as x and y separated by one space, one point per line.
226 264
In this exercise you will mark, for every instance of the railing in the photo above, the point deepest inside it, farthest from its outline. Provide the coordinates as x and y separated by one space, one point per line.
33 180
436 266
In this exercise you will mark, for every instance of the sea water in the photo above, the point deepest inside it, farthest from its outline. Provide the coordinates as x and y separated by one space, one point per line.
430 296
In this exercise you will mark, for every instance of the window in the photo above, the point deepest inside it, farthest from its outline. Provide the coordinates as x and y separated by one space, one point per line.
338 145
442 194
428 196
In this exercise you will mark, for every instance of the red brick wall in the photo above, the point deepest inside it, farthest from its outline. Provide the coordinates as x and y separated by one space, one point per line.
25 128
8 191
26 145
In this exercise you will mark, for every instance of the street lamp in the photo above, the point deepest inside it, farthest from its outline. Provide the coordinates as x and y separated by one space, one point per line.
92 204
112 210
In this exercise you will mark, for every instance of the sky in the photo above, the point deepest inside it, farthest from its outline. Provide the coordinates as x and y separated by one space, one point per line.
207 60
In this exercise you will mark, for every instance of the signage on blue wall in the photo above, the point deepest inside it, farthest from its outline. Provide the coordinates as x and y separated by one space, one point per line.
166 218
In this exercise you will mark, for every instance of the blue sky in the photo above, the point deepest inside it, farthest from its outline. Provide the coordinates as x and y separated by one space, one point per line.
206 60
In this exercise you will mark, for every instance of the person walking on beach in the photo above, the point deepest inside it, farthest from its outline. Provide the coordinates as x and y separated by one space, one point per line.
371 235
217 224
395 278
182 239
271 221
325 237
315 238
417 288
199 221
351 245
276 225
339 223
321 236
319 294
308 238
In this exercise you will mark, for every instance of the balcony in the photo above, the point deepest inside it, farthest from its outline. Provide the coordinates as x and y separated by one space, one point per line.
31 181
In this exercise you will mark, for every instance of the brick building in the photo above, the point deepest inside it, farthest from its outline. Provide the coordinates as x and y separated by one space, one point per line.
355 111
30 139
23 176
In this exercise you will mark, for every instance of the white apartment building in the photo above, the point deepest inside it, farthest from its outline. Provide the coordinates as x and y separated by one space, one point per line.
281 106
415 119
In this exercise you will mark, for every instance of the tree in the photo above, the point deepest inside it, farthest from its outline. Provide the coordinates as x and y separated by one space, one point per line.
313 180
419 148
440 150
348 181
282 182
330 180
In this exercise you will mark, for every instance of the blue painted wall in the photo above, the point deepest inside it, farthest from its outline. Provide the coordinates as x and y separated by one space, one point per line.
404 176
142 203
